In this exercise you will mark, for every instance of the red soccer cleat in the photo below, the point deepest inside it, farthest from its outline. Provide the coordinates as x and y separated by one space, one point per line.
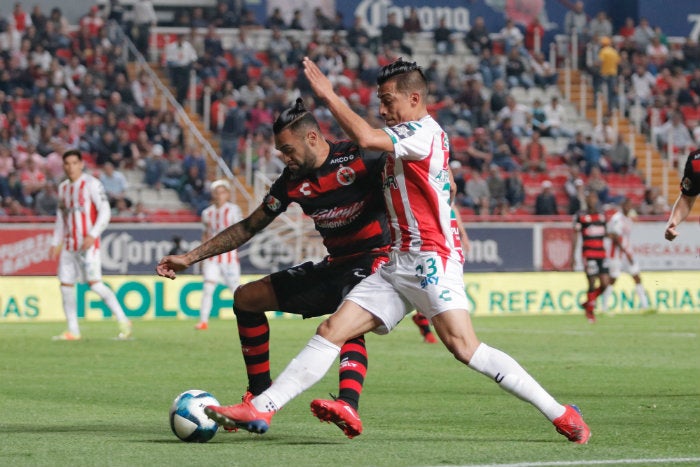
571 425
243 415
339 412
202 326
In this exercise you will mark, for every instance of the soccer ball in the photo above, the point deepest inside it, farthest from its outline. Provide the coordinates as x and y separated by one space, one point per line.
187 418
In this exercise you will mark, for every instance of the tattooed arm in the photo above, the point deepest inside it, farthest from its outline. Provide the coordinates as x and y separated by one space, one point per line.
227 240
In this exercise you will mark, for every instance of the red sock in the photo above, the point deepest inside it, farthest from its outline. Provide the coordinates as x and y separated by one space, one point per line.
352 371
254 332
590 304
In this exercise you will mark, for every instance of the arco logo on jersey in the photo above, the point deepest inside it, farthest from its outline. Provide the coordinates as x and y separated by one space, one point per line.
342 159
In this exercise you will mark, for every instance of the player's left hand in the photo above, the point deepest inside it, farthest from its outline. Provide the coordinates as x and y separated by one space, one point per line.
670 234
88 242
318 81
170 265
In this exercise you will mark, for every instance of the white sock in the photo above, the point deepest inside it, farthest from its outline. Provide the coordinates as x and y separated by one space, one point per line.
642 293
110 300
207 300
604 299
510 376
304 371
70 308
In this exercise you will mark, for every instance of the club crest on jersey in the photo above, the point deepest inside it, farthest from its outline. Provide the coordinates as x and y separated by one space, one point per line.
403 130
345 176
686 184
272 203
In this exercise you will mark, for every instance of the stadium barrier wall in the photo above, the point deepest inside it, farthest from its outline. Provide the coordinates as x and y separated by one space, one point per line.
513 247
36 299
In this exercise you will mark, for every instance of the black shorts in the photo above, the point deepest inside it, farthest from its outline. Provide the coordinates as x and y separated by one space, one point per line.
318 289
596 266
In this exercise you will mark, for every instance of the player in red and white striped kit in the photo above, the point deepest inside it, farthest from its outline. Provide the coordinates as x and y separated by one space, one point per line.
224 268
425 262
83 214
619 229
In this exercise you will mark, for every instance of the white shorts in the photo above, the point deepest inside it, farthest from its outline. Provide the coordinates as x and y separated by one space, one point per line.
409 281
80 266
620 265
222 273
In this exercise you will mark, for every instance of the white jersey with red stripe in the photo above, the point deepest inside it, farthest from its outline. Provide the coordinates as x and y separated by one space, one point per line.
620 225
218 219
83 209
417 190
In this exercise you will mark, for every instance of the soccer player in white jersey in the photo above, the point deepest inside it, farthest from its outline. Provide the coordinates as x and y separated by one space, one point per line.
83 214
424 269
225 268
621 259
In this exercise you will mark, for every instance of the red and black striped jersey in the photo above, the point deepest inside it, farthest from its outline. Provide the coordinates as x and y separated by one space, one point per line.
593 229
690 183
343 197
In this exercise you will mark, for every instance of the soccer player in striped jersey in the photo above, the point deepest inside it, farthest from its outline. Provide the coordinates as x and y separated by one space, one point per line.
425 262
83 214
338 186
590 225
690 189
619 229
224 268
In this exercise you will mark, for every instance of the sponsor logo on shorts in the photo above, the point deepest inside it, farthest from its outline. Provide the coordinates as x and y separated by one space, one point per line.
425 282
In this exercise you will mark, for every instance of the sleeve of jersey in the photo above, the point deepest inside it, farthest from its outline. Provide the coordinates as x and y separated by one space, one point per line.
276 200
411 140
58 230
99 199
690 184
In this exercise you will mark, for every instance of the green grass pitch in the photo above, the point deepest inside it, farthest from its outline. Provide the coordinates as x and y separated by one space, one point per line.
101 402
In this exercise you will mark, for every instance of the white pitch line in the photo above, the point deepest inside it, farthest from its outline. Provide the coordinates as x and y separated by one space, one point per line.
670 460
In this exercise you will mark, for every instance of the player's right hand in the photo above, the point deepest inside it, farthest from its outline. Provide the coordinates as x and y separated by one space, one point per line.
671 232
54 251
170 265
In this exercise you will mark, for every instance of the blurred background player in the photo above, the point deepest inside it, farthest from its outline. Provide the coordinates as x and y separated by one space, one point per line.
224 268
590 223
83 214
619 229
690 188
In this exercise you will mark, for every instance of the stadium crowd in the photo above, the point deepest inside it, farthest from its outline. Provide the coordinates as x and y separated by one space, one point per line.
514 148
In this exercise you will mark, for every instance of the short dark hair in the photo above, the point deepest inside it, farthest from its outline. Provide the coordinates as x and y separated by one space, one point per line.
409 76
295 117
73 152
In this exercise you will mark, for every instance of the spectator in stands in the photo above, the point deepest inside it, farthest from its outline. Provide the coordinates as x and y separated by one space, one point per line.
46 201
411 24
556 116
497 190
546 202
575 150
604 135
224 16
653 202
627 29
642 88
575 189
597 184
442 36
7 167
643 34
499 96
576 22
275 20
516 70
249 21
592 156
608 68
512 37
297 23
534 35
144 93
358 37
478 196
480 150
20 18
674 132
515 189
620 156
322 21
393 35
534 156
477 38
155 167
193 188
502 152
115 184
519 115
233 129
33 180
108 150
657 53
490 67
600 26
180 56
691 54
543 73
